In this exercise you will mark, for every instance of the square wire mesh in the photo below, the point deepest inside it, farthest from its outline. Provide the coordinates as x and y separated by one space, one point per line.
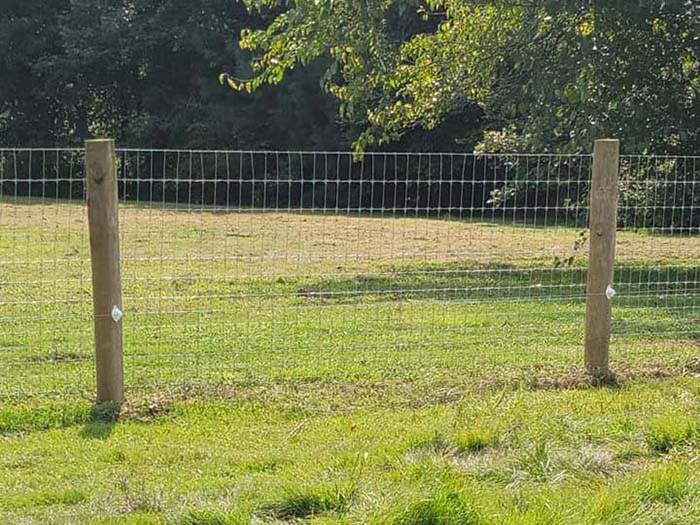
241 267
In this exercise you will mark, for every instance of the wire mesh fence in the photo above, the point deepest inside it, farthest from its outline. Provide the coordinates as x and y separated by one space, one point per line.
244 266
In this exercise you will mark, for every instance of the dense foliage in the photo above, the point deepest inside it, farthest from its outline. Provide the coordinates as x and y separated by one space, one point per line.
527 75
543 76
435 75
549 75
145 72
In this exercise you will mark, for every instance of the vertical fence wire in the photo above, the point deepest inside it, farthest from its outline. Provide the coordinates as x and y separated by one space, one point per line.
660 210
45 293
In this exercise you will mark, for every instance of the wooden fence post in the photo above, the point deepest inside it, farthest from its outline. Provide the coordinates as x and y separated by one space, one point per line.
103 217
601 261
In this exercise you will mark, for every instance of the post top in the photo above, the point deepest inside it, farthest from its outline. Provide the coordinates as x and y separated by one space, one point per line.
611 141
98 141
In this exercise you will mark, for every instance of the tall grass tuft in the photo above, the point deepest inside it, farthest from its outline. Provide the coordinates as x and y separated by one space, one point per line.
304 504
667 432
668 484
473 441
446 508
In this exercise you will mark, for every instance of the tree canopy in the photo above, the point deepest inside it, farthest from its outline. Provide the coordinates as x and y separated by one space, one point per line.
548 75
525 75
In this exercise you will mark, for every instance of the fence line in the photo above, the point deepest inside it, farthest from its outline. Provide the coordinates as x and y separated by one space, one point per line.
240 265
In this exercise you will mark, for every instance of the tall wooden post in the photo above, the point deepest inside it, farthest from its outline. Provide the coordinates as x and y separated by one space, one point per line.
103 217
601 261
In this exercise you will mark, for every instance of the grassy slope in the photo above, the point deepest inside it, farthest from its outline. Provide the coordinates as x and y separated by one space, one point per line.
318 388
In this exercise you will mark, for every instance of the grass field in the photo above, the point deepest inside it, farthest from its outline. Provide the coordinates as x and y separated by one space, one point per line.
317 368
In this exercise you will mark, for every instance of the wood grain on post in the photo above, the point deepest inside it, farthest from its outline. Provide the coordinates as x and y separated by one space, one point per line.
106 274
601 262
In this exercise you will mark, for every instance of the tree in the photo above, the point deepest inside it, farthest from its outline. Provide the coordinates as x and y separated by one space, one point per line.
554 74
29 107
145 72
618 70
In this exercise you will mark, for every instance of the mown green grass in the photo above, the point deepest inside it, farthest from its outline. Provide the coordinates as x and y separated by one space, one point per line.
344 370
578 456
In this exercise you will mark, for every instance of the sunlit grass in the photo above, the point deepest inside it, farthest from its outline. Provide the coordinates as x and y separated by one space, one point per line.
314 376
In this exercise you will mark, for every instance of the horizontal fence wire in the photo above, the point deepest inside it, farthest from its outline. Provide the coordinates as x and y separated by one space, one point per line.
260 266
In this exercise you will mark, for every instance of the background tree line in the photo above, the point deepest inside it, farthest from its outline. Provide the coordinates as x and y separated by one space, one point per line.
410 75
536 75
146 72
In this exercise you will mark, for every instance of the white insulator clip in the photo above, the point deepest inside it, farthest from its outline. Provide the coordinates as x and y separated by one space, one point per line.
117 314
610 292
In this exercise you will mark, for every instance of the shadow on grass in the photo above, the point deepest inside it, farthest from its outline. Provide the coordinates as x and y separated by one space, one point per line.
101 421
638 286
